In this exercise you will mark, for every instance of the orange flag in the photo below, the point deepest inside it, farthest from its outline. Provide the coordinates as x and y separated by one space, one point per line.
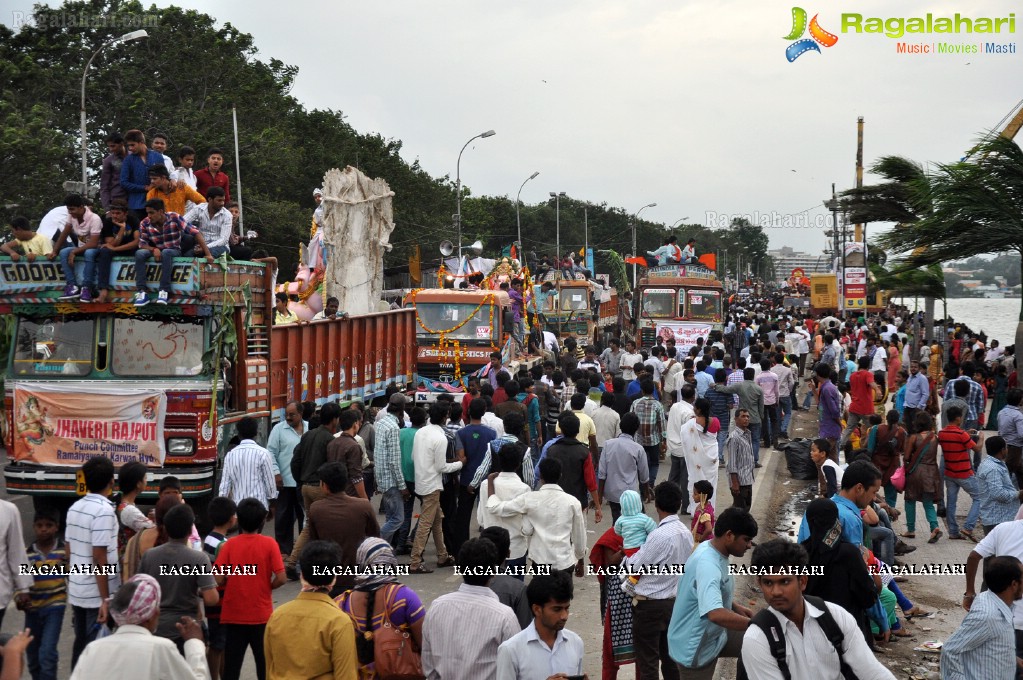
709 260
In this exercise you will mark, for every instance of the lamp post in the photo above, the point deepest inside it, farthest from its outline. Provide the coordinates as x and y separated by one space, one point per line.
557 220
634 220
518 221
678 222
127 37
458 189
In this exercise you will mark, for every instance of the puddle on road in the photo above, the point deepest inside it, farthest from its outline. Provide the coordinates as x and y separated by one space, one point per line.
789 515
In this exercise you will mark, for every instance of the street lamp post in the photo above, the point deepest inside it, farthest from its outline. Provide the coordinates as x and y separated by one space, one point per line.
127 37
678 222
634 220
557 221
518 221
458 189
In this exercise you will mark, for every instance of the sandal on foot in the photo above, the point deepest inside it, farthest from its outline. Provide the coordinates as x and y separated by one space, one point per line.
421 569
935 535
966 533
908 534
902 633
957 537
917 612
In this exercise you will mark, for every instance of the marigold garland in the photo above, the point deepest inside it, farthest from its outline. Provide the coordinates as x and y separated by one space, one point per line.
442 340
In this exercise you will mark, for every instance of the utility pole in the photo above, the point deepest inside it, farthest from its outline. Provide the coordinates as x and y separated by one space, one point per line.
860 235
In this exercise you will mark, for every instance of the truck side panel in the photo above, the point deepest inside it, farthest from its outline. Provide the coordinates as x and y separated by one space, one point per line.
352 358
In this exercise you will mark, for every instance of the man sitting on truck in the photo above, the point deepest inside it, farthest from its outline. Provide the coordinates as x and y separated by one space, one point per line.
689 253
163 236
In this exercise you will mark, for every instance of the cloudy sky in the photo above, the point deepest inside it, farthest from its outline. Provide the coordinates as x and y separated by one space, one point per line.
687 103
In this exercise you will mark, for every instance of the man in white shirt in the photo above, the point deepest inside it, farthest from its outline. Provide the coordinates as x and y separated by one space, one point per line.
14 577
544 648
132 651
91 535
606 420
213 220
429 457
508 485
629 359
463 630
249 469
553 520
809 654
679 413
159 144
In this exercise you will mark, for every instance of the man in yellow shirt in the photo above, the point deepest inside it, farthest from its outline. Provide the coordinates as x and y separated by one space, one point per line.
310 637
175 195
26 242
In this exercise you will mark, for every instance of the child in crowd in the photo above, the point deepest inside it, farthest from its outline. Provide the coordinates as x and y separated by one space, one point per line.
47 598
27 243
829 473
131 480
171 486
634 525
223 513
247 603
703 516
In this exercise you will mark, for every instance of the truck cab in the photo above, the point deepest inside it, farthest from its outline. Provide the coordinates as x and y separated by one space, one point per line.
680 301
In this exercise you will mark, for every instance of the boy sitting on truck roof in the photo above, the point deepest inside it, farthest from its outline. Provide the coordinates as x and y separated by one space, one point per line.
26 242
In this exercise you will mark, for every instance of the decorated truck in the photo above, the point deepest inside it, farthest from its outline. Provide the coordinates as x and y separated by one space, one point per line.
165 385
679 301
578 308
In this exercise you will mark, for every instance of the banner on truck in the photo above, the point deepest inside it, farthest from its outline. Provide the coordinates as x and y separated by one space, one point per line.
685 334
54 426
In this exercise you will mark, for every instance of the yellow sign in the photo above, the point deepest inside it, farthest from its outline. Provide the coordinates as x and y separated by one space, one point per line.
80 487
854 303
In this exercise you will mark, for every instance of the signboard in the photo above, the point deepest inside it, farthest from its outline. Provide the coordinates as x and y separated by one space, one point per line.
685 334
58 426
681 271
854 277
24 277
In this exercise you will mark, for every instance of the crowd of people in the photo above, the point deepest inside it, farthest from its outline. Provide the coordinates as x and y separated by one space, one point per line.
151 208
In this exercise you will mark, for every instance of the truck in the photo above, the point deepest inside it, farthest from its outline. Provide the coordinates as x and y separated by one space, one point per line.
570 312
456 332
680 301
166 385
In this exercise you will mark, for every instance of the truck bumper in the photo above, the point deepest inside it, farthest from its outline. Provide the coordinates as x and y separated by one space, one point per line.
60 481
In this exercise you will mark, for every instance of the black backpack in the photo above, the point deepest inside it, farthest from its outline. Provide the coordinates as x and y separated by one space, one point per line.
775 635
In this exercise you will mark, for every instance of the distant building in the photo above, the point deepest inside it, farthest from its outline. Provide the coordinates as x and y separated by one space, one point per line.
786 259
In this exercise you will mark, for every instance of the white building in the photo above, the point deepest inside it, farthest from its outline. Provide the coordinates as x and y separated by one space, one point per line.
786 259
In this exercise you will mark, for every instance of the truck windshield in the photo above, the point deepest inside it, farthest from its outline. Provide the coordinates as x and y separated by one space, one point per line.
154 347
452 319
54 346
705 305
659 302
575 299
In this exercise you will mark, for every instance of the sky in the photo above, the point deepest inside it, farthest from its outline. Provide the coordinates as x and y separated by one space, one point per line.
689 104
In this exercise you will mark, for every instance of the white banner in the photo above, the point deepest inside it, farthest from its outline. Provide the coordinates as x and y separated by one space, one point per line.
685 334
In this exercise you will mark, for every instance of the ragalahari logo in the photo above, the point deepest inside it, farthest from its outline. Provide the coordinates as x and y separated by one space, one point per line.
818 36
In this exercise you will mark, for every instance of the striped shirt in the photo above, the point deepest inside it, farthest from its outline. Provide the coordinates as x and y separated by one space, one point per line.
999 499
91 523
387 454
739 454
488 462
670 544
734 378
984 642
955 450
249 473
652 423
462 632
48 590
720 406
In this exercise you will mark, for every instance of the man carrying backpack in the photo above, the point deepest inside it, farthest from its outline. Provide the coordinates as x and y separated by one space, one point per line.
800 637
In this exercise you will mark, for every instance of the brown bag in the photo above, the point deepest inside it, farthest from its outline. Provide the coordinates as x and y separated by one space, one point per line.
131 557
394 654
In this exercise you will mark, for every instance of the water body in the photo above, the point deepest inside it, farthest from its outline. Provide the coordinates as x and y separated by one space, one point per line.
996 317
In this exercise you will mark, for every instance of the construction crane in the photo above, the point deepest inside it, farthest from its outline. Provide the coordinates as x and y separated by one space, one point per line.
1012 122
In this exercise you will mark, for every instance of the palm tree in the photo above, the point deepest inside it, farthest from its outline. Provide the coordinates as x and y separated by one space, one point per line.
977 208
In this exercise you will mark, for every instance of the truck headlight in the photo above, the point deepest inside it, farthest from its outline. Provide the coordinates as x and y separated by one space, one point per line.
180 446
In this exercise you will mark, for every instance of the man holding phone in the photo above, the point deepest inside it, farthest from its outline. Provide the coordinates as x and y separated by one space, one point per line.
956 445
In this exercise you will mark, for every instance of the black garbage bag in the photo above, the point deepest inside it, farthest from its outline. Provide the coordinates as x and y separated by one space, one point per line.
797 457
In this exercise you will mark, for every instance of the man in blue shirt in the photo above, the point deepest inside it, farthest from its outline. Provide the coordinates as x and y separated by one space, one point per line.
999 498
705 623
281 443
135 171
860 485
475 439
917 392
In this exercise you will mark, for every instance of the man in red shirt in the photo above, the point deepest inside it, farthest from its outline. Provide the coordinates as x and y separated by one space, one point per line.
956 445
250 565
863 390
211 176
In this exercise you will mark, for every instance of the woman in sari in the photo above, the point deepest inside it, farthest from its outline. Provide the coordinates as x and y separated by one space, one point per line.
894 350
378 588
617 649
700 448
923 479
1001 386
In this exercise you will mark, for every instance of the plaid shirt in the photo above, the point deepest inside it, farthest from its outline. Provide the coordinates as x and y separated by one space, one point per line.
652 423
167 236
974 402
566 395
387 454
734 377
